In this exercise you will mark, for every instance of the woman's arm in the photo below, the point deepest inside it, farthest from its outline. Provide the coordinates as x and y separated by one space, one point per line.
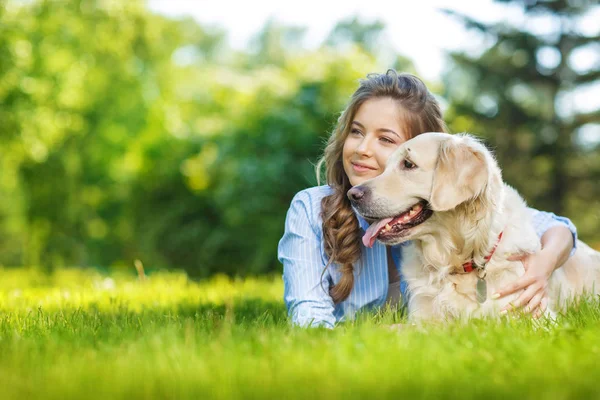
306 287
544 221
557 246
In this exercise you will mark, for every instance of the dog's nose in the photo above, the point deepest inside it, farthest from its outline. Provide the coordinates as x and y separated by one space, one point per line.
356 194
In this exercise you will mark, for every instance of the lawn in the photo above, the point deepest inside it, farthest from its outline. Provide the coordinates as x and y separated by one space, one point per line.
82 334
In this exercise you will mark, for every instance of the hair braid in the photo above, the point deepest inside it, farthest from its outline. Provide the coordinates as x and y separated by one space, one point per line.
342 240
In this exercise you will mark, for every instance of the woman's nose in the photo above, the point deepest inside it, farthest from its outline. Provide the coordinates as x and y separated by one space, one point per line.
364 148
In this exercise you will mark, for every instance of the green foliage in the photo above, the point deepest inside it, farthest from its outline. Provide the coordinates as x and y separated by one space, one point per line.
84 88
129 135
126 135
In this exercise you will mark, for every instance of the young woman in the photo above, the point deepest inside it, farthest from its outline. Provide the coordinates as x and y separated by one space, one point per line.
328 273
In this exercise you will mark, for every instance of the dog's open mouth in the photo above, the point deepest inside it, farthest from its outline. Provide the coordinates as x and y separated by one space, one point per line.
398 226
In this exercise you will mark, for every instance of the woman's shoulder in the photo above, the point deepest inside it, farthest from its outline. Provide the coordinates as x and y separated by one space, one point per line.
310 200
313 195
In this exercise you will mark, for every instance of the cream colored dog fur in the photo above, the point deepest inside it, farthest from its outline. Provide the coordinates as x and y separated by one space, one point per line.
462 206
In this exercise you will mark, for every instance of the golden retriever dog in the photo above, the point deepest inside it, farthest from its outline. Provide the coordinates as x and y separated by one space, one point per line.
444 193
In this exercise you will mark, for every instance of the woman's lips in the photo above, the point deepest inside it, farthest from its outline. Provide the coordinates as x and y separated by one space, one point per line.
360 168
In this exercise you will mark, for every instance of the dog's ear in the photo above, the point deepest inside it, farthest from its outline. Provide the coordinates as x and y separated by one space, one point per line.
461 174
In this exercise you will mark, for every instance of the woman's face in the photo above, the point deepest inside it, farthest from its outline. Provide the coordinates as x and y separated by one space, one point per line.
374 135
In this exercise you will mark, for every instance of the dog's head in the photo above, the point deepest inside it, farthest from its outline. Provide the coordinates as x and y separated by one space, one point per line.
431 173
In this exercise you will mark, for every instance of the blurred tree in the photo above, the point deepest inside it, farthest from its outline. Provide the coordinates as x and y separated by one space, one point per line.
354 31
81 82
371 38
128 135
519 94
246 173
274 43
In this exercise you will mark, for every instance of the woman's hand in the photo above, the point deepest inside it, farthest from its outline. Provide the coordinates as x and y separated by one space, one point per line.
557 243
538 269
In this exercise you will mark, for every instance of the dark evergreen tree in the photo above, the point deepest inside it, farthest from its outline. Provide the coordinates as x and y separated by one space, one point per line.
519 94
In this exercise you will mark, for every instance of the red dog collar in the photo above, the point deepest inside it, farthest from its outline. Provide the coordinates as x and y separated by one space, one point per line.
471 266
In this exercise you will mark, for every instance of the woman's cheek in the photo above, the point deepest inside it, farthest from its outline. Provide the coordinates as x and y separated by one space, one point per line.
386 156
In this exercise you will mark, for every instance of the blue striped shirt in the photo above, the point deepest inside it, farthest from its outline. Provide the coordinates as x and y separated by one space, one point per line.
306 283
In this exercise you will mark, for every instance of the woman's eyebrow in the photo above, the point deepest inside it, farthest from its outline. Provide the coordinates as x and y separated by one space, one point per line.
380 129
390 131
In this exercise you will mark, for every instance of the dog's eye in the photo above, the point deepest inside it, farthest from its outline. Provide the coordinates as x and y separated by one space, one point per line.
409 165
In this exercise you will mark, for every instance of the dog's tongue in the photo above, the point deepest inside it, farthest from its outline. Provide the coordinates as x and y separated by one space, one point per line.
371 234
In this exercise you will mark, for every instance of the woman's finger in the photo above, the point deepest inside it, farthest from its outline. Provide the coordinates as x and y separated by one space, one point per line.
534 302
544 304
523 299
521 283
542 308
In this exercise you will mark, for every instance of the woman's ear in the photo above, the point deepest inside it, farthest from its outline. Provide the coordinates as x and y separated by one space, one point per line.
460 175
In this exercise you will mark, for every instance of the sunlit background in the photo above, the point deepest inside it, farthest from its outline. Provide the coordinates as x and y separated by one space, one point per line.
177 132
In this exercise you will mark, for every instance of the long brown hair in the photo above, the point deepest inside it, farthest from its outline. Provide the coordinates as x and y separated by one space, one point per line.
341 232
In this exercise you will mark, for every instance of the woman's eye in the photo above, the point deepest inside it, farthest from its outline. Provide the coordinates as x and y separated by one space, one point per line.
355 131
409 165
387 140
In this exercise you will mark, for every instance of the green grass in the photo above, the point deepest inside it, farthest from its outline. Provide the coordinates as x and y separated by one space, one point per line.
79 334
